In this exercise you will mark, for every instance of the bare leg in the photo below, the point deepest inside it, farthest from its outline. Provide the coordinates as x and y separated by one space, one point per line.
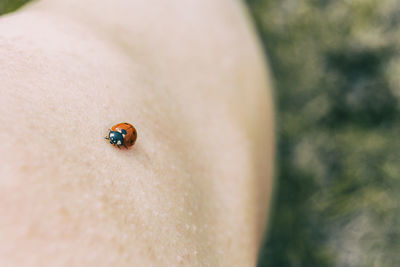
190 76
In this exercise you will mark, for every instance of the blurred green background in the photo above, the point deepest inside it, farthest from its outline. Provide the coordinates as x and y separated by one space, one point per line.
336 67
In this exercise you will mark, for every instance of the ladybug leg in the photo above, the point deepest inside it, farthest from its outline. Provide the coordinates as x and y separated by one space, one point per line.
109 130
118 146
125 146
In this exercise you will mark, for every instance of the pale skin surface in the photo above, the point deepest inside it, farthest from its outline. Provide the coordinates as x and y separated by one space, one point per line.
191 77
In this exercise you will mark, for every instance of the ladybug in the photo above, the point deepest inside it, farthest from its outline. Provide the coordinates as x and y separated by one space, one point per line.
122 134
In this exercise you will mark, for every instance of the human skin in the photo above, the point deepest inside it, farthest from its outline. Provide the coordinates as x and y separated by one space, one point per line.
190 76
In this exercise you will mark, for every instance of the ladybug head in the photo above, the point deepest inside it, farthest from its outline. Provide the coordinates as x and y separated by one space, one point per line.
115 138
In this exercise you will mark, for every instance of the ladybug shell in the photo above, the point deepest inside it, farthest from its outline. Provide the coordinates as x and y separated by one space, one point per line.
131 133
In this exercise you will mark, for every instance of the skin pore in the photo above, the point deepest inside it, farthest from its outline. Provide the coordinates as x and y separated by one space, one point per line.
190 76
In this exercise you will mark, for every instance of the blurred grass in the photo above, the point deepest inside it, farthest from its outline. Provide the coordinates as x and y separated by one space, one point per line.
7 6
336 66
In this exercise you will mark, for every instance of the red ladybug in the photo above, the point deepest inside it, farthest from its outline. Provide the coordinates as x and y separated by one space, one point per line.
122 134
